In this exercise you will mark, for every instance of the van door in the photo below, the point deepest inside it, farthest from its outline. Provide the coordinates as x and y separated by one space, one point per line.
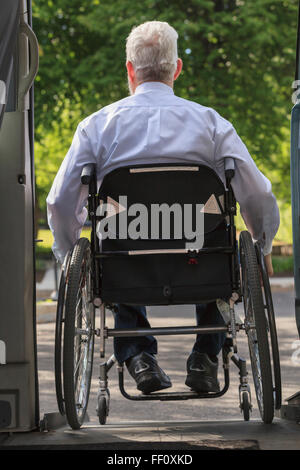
18 365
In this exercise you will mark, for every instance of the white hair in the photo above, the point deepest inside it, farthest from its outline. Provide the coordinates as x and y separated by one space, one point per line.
152 49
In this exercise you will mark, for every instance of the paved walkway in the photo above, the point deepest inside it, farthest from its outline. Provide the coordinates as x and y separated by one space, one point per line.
218 419
178 434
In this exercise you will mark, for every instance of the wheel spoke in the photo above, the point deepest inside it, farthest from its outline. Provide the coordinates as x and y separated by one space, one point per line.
83 320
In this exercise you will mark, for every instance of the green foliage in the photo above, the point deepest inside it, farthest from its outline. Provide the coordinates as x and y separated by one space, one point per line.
64 43
283 264
238 58
51 148
284 234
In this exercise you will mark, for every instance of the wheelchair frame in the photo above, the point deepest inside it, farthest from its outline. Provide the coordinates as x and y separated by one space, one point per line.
229 351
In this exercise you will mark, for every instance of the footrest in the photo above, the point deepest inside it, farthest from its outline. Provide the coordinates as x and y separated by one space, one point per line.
172 396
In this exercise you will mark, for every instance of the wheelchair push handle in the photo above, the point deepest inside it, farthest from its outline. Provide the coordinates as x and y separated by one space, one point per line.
229 169
88 172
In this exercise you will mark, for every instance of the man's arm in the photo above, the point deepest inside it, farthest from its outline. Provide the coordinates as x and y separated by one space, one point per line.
269 265
252 189
67 197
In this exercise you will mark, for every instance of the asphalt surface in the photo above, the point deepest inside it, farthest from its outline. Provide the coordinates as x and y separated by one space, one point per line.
172 356
203 424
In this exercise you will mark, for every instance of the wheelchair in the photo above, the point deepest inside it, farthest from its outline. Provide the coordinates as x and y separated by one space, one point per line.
164 271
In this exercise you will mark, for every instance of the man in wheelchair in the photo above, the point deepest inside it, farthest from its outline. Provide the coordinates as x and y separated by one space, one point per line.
154 126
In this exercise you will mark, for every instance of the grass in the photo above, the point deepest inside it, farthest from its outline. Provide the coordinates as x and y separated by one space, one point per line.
283 264
43 248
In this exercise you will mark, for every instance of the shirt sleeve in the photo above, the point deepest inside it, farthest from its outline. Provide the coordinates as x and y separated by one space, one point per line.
251 188
67 198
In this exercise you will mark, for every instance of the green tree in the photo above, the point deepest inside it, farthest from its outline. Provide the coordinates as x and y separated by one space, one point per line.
238 58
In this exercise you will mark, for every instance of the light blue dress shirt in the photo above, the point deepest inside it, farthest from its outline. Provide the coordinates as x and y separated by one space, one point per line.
156 126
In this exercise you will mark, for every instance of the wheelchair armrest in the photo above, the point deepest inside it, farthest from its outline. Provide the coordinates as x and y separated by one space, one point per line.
87 173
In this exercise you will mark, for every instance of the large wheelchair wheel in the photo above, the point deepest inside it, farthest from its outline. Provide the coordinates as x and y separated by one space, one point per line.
256 326
79 327
272 331
59 327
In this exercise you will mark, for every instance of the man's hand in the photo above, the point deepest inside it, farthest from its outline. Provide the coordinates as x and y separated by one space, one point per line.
269 266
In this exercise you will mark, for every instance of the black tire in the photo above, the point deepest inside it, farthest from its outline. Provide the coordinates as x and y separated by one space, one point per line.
268 302
102 410
256 328
245 405
58 343
78 346
59 326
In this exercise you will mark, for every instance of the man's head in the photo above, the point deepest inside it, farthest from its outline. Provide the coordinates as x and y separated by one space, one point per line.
151 51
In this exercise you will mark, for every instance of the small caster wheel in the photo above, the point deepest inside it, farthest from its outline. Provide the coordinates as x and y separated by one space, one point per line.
102 409
245 406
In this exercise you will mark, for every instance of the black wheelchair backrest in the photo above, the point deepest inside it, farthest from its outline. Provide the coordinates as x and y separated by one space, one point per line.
161 270
169 184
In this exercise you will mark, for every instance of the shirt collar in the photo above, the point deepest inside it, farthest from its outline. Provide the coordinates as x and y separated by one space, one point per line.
147 87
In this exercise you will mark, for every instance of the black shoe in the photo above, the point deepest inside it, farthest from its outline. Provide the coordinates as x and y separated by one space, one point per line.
202 373
146 372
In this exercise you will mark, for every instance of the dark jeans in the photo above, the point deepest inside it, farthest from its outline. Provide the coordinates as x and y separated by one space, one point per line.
129 316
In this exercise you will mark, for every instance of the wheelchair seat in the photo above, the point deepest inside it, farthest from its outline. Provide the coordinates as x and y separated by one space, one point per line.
163 271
